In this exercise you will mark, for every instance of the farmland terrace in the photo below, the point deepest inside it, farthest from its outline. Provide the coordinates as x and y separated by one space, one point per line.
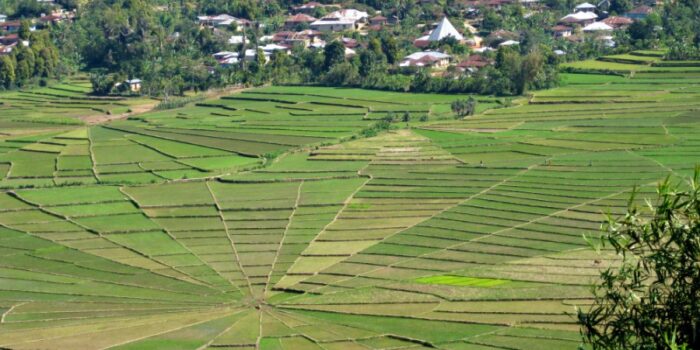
257 220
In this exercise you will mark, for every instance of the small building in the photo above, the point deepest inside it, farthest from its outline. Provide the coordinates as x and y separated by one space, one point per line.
294 21
251 55
618 22
349 14
430 59
10 26
275 47
350 52
484 49
9 39
378 21
134 85
561 31
585 7
494 4
597 27
579 18
237 39
333 25
226 58
350 43
310 7
222 20
473 63
639 13
498 36
3 18
529 3
607 40
5 50
509 43
341 20
444 30
47 20
304 38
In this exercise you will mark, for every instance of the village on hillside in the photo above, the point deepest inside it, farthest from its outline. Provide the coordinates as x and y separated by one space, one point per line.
585 21
391 48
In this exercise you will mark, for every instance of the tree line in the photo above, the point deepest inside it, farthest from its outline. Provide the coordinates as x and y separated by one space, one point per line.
35 57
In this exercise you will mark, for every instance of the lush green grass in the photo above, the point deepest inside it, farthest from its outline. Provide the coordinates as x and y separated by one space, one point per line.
461 281
261 220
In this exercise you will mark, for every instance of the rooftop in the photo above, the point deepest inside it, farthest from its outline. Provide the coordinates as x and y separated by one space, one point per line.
444 29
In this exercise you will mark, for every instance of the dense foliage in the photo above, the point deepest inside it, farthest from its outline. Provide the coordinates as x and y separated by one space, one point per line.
464 108
652 300
161 43
35 57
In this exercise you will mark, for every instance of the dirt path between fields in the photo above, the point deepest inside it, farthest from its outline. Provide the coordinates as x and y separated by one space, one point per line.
147 107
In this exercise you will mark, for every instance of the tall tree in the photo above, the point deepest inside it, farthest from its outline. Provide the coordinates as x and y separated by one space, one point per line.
24 29
390 49
7 71
334 53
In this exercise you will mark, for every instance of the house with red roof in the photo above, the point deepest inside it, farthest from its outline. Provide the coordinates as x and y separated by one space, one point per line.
562 31
473 63
429 59
618 22
294 21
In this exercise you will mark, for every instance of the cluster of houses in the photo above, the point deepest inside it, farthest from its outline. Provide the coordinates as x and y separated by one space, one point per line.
301 28
9 39
223 21
587 19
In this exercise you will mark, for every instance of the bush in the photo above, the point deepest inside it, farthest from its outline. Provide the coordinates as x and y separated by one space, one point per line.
464 108
652 300
376 128
177 102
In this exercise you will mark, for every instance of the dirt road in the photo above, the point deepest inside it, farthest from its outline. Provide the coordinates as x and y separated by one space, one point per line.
150 105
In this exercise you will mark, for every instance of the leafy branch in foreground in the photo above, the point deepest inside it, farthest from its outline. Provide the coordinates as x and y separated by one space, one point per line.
652 300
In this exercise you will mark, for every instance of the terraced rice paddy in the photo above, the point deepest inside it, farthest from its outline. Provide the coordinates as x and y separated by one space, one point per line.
257 221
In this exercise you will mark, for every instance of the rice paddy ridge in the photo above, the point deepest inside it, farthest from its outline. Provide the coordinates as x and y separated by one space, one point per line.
262 221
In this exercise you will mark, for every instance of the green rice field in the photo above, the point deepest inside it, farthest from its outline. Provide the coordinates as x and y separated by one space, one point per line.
264 220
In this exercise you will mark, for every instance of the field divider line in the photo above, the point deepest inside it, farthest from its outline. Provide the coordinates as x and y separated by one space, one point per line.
284 236
101 281
167 232
91 150
260 328
152 172
100 235
163 332
294 316
346 203
208 344
664 166
519 225
228 234
439 213
109 329
12 308
54 175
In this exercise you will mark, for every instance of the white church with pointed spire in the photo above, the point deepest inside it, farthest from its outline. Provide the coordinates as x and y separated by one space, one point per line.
443 30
